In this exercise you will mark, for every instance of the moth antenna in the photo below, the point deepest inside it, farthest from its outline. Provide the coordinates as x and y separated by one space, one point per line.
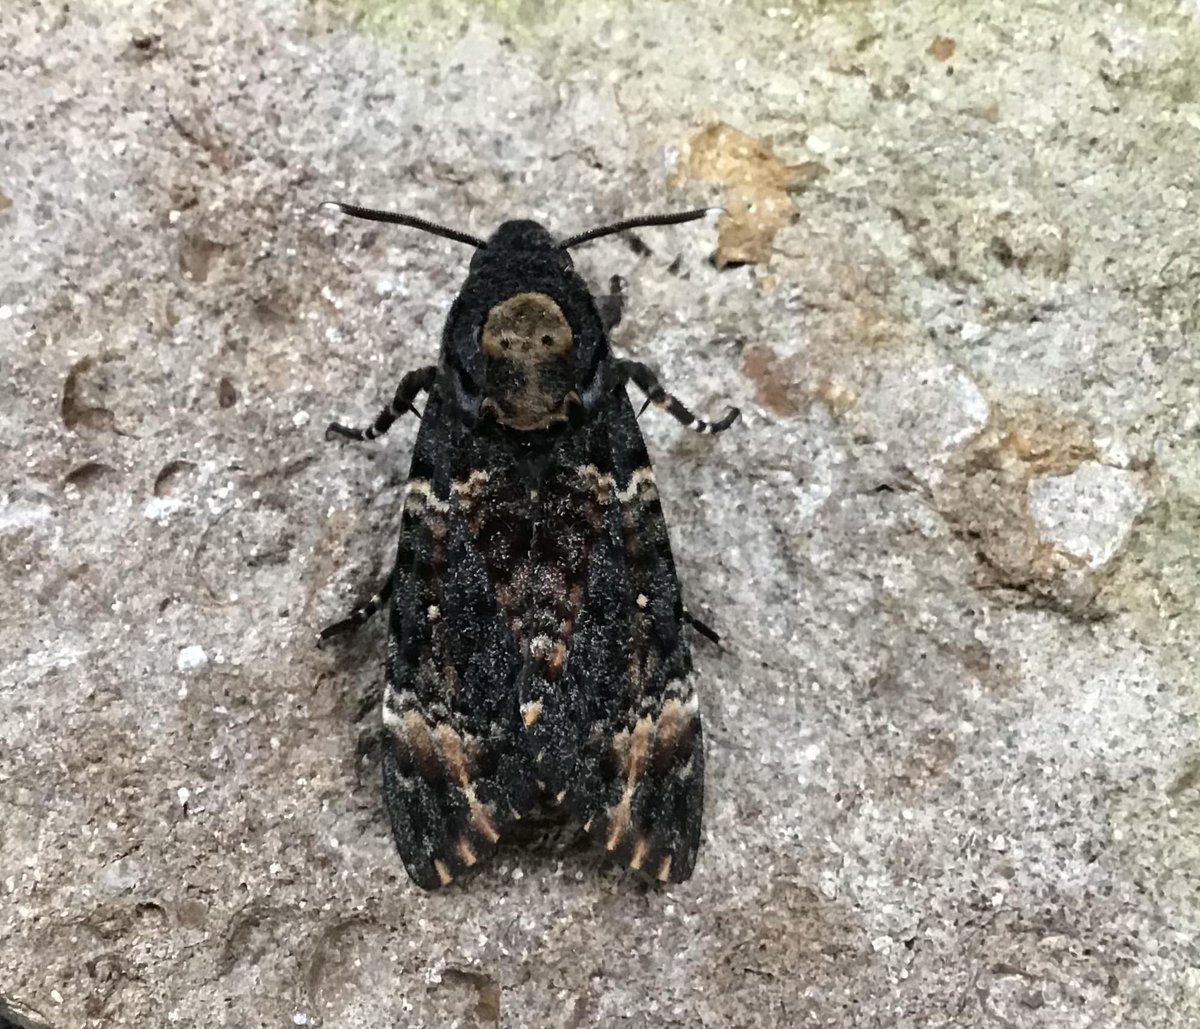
407 219
638 223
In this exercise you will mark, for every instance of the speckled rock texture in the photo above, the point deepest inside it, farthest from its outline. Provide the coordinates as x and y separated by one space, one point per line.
954 776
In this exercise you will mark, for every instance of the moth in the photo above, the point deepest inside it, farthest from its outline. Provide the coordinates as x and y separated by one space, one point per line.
538 655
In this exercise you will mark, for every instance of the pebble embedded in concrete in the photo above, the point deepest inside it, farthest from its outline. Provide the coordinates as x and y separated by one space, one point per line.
1089 512
191 658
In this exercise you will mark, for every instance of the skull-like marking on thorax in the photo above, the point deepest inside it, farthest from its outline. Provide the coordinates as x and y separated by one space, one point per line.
529 349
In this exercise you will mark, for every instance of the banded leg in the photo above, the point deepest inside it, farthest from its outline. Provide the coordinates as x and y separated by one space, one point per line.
648 383
612 305
358 616
412 384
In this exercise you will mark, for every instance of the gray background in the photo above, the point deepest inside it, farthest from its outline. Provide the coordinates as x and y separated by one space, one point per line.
954 774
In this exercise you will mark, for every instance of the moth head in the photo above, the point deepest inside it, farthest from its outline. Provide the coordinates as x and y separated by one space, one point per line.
521 236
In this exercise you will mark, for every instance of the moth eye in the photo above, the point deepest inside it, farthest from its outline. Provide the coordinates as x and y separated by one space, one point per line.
547 340
505 342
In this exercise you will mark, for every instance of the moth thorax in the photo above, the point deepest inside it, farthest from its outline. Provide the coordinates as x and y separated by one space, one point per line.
528 351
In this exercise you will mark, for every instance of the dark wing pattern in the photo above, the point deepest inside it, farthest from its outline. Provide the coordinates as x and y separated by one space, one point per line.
451 778
536 650
643 774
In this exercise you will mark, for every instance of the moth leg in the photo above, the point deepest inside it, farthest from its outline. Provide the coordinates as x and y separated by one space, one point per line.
704 630
612 305
647 382
412 384
359 615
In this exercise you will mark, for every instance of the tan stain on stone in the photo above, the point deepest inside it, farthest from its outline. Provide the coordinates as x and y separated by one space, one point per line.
985 497
850 322
835 393
834 367
771 379
942 48
758 186
1155 578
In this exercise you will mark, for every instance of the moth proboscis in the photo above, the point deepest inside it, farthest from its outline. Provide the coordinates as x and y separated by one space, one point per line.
538 656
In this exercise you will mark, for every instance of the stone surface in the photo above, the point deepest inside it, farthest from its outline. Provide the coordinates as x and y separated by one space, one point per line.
954 776
1089 512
